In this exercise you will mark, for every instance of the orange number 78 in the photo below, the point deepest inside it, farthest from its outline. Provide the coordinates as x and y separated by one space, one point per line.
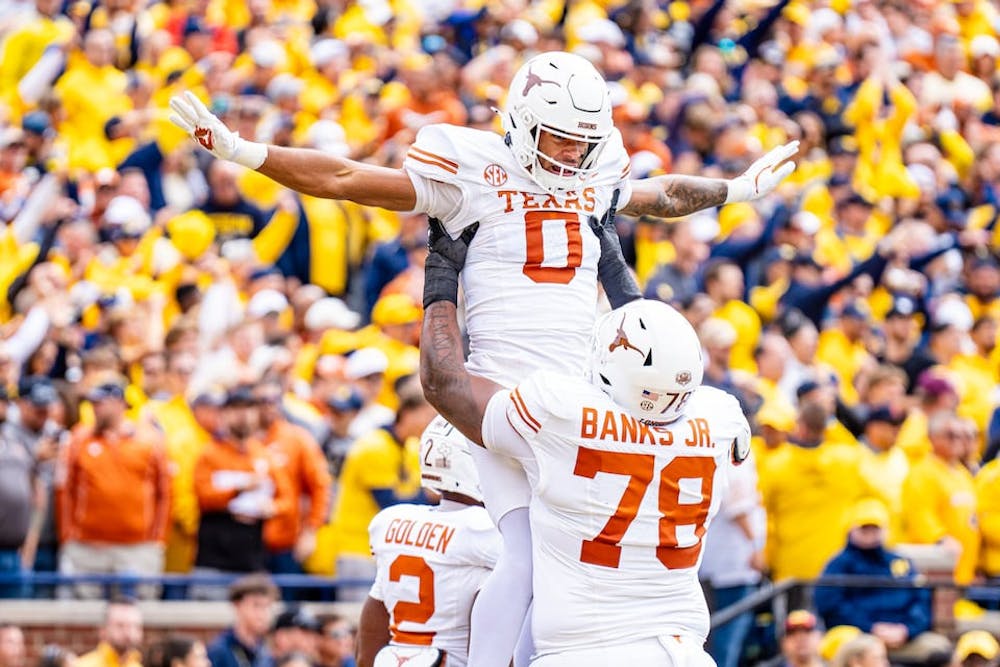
604 549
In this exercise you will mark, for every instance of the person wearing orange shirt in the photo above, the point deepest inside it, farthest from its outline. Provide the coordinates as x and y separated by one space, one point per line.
238 490
291 535
428 102
114 494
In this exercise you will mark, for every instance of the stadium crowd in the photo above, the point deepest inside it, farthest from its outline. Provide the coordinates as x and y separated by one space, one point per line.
205 373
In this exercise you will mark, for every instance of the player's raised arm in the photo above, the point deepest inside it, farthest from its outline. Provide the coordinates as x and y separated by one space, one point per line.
673 196
461 398
304 170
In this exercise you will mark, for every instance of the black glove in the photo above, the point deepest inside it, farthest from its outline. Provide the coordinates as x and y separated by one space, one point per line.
444 262
612 270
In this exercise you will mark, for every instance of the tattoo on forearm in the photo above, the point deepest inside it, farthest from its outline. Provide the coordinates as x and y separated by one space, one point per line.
442 368
682 195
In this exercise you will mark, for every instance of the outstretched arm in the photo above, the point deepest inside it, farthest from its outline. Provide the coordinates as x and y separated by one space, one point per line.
674 196
461 398
304 170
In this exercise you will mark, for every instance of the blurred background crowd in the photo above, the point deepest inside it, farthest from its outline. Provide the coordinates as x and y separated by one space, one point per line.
203 372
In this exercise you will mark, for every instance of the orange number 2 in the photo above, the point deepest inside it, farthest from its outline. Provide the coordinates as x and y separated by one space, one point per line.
414 612
533 222
604 549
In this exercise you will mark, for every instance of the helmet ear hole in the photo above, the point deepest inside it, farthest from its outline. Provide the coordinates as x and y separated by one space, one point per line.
649 357
604 380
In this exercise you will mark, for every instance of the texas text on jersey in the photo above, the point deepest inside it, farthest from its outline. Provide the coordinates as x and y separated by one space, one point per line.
531 273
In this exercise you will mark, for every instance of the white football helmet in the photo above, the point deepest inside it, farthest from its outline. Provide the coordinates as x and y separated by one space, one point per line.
566 96
445 461
647 358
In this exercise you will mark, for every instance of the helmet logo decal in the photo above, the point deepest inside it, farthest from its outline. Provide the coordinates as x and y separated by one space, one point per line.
621 340
535 80
495 175
683 378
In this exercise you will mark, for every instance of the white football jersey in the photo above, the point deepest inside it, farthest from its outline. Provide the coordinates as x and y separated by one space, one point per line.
619 508
530 277
430 563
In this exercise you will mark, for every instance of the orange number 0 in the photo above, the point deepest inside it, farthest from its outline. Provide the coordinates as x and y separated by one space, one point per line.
413 612
604 549
561 275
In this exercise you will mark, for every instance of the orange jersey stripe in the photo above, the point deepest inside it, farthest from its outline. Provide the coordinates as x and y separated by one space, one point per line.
412 638
522 411
434 156
434 163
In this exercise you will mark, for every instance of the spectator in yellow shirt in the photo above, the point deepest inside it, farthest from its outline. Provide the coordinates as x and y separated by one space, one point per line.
770 356
988 512
121 637
842 347
808 487
381 469
882 461
940 498
93 92
724 285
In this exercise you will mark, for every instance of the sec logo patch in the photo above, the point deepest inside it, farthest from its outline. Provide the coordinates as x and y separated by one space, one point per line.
495 175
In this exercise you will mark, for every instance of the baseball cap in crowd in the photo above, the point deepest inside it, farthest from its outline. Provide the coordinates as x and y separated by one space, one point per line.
953 204
902 306
106 390
263 272
127 217
345 399
933 384
835 638
196 26
326 50
266 302
800 619
12 136
869 512
856 309
806 387
843 145
296 617
209 396
885 414
804 259
268 53
602 31
806 222
395 309
855 198
330 313
976 642
37 122
364 362
241 395
37 389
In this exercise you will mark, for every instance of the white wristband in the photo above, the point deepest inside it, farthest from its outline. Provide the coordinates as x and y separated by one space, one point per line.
250 154
740 190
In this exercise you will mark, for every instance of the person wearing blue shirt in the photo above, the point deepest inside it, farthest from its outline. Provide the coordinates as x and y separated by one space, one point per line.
243 644
900 617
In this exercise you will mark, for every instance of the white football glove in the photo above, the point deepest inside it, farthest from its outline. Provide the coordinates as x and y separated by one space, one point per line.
763 175
194 118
